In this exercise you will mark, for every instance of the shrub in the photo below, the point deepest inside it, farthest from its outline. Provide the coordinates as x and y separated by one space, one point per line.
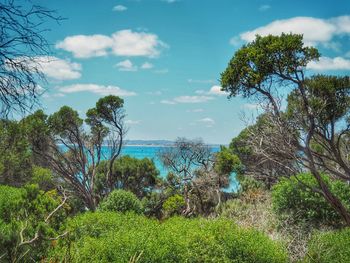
116 237
174 205
24 210
330 247
292 198
121 201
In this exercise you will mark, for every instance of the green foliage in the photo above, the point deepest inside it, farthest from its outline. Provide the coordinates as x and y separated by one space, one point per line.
174 205
121 201
292 197
65 121
15 155
268 56
226 162
330 247
42 177
113 237
328 99
139 176
24 210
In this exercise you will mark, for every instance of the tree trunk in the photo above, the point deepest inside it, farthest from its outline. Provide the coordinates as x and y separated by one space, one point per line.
332 199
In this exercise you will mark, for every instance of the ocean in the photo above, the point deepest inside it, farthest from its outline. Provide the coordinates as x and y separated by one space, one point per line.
142 151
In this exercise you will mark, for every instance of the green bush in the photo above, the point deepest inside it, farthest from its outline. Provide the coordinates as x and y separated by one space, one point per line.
291 198
24 210
121 201
116 237
331 247
173 205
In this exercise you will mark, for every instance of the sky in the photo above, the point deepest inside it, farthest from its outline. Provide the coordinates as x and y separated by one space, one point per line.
165 57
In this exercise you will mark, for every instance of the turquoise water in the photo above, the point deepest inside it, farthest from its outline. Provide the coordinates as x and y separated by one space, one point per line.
151 152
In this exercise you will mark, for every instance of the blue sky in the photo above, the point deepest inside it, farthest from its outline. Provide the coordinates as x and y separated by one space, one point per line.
164 57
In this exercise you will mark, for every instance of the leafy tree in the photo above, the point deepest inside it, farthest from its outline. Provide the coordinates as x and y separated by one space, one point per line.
139 176
255 164
15 155
121 201
73 153
30 220
272 66
192 172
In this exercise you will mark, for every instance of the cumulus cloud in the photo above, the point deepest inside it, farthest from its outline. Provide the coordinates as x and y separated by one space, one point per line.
147 65
121 43
126 65
209 122
120 8
53 67
97 89
326 63
315 30
214 90
83 46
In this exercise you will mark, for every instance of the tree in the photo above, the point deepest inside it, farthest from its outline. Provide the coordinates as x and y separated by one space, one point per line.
254 162
191 163
15 155
73 153
269 67
21 45
131 174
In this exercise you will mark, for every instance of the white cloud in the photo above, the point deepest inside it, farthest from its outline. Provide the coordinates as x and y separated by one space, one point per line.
83 46
132 122
214 90
126 65
263 8
53 67
315 30
129 43
121 43
97 89
147 65
326 63
209 122
120 8
170 1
